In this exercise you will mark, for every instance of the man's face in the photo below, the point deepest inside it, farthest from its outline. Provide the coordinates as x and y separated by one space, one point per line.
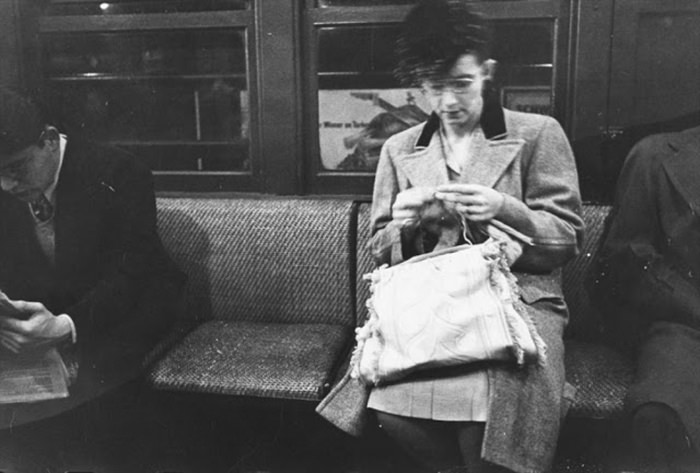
456 98
27 173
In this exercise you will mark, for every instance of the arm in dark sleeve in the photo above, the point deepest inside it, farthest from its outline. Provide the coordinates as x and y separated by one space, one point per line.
632 269
129 306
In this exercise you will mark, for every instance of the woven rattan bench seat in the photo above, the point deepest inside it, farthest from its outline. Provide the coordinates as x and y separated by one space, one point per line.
289 361
601 376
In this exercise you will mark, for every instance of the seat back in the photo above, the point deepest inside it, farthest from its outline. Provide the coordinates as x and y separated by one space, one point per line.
266 260
365 262
585 322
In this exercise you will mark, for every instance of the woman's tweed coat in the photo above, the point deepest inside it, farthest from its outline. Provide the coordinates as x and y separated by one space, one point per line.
528 158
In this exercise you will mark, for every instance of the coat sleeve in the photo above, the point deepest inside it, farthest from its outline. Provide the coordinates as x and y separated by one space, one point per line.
550 212
131 305
632 269
391 243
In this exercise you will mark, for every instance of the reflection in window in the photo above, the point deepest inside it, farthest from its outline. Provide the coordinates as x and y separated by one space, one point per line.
177 53
177 99
152 110
116 7
362 3
356 51
360 103
524 50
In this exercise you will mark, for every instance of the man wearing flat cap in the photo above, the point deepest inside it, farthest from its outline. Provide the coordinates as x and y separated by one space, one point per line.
81 262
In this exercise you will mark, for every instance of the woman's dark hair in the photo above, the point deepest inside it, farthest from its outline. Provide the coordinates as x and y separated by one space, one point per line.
434 34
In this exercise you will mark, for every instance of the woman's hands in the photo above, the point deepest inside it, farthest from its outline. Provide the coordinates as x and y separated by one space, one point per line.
476 202
409 203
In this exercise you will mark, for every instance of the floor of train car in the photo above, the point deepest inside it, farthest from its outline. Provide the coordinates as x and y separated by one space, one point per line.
174 434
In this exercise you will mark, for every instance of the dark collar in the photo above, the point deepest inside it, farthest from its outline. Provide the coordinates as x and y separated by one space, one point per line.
492 121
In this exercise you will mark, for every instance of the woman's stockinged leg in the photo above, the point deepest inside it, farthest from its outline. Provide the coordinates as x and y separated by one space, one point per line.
430 444
439 446
470 437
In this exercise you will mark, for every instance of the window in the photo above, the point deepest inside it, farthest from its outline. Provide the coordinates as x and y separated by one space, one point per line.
167 80
267 96
357 103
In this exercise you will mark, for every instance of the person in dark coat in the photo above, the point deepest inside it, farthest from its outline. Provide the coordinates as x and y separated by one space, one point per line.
81 263
648 285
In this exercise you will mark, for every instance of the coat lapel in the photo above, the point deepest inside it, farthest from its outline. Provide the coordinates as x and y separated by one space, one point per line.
683 169
76 220
491 149
490 159
425 167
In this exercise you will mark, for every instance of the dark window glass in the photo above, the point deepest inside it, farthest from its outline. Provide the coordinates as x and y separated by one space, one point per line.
115 7
147 54
359 3
357 50
524 51
192 157
180 99
361 104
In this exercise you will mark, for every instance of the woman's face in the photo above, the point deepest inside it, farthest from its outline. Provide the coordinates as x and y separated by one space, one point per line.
456 98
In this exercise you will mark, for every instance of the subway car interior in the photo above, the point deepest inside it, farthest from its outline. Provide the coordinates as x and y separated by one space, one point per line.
262 123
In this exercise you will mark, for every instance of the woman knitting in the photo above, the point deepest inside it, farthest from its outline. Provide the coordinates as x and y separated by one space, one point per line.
484 163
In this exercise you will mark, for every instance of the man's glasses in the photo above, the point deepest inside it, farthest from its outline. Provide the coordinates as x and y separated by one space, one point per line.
456 86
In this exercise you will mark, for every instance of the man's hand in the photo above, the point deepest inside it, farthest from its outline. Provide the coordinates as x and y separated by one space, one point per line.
7 308
406 208
36 328
476 202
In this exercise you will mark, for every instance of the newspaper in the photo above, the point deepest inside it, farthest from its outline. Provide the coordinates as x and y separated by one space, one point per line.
30 378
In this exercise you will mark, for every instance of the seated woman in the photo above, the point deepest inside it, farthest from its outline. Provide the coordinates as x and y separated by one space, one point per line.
488 164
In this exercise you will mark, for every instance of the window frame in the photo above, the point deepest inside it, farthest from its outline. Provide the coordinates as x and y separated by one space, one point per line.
240 20
320 181
282 52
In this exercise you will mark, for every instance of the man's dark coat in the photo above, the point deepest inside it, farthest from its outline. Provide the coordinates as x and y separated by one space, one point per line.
648 281
111 273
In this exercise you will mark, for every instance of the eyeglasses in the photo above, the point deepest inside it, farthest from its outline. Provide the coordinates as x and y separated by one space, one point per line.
456 86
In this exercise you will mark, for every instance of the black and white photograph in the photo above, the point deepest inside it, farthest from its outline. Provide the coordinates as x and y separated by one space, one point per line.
349 236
